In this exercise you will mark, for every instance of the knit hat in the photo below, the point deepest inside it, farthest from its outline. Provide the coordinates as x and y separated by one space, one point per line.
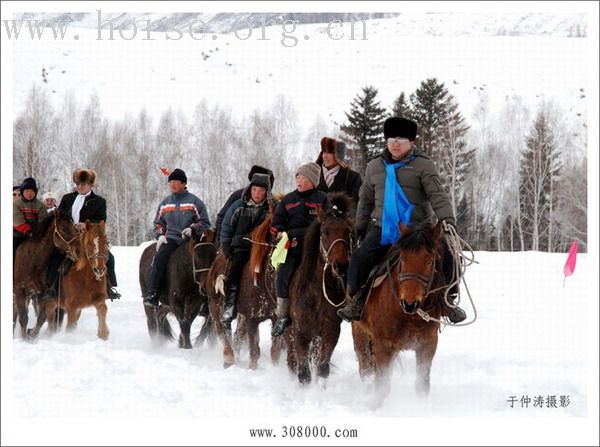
84 176
311 171
178 174
400 127
256 169
48 195
29 183
261 180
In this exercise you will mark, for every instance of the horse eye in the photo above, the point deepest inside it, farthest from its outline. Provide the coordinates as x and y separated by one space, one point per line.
429 263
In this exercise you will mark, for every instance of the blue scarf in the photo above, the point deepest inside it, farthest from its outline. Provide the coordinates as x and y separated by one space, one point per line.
396 207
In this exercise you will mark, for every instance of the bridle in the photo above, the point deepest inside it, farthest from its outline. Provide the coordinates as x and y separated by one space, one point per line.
194 269
325 255
425 281
98 273
71 254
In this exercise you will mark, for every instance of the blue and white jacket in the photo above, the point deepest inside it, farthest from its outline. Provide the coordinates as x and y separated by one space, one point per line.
178 212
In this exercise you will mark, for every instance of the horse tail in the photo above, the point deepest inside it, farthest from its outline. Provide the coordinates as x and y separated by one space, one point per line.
163 323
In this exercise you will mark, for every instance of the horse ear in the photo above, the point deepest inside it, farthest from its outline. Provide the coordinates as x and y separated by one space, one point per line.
88 224
102 226
320 214
404 230
209 234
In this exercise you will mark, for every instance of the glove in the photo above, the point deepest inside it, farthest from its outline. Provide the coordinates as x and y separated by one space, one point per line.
447 227
187 233
360 236
226 246
161 240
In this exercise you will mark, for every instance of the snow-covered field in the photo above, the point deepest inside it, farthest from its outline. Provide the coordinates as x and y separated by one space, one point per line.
531 339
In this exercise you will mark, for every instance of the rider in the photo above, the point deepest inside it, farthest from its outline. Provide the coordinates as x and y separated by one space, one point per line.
177 216
256 169
294 214
336 176
241 218
380 210
49 200
83 204
26 211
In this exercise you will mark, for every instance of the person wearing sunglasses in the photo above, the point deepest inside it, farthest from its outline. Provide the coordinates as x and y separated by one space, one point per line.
402 185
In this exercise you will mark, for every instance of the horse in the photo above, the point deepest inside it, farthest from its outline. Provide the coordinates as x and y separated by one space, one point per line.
256 300
184 288
54 231
318 289
84 285
391 320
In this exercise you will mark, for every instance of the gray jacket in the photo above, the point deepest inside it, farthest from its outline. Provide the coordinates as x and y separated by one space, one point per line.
421 184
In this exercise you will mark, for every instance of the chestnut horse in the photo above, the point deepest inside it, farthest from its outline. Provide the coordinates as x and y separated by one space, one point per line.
55 231
84 284
256 300
390 321
317 290
184 286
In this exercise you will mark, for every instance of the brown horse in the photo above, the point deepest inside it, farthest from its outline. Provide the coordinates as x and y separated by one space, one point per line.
84 284
317 290
184 287
55 231
390 321
256 301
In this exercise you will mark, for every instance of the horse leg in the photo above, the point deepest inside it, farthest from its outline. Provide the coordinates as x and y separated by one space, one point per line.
425 353
71 318
383 355
101 311
302 345
253 342
51 307
292 356
241 332
362 347
151 322
41 319
23 317
275 347
225 335
328 343
184 336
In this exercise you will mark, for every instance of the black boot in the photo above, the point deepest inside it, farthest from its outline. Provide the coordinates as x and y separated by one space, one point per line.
204 310
352 310
50 292
454 313
230 311
151 300
283 317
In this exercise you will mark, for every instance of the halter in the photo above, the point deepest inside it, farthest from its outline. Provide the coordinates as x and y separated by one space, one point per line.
412 276
70 253
325 254
194 269
98 273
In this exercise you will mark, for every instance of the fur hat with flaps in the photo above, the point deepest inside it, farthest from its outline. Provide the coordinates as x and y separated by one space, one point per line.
399 128
84 176
332 146
261 180
256 169
311 171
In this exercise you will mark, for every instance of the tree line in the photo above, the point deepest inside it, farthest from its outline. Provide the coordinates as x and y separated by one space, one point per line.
516 181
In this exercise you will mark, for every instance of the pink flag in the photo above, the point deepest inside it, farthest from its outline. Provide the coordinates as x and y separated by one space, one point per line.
571 260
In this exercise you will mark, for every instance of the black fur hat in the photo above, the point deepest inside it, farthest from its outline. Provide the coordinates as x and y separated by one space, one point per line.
28 183
261 180
400 127
256 169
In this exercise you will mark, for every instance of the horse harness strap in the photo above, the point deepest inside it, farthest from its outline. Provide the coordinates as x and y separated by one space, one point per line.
194 269
67 242
325 254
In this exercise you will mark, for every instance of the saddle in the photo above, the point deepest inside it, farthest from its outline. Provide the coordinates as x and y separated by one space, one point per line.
379 272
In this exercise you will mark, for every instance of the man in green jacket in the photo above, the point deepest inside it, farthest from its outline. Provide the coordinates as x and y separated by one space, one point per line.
424 195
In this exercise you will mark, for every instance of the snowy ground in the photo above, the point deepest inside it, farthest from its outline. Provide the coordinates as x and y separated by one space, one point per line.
529 340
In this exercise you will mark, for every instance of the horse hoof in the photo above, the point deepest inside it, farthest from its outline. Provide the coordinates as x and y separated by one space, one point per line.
226 365
253 365
103 336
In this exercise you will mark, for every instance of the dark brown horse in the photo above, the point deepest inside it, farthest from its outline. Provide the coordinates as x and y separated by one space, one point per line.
317 290
84 285
256 301
391 322
55 231
184 288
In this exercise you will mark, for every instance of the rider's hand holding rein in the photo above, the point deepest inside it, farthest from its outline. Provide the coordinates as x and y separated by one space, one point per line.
161 240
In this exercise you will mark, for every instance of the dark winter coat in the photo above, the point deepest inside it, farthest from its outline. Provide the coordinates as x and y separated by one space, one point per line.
421 184
296 212
94 207
346 180
232 198
178 212
241 218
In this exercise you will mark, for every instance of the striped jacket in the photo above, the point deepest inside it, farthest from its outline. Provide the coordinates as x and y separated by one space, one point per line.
25 214
178 212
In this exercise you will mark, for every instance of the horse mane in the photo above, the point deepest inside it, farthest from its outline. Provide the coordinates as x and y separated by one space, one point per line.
41 227
261 235
420 237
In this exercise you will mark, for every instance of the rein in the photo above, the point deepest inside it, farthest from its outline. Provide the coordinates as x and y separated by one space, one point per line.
70 253
325 254
194 269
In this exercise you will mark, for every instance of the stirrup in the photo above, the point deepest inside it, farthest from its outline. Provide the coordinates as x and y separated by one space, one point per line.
280 326
151 300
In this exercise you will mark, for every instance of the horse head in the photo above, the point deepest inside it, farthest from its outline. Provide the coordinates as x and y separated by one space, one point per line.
336 231
65 236
203 251
414 273
93 248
